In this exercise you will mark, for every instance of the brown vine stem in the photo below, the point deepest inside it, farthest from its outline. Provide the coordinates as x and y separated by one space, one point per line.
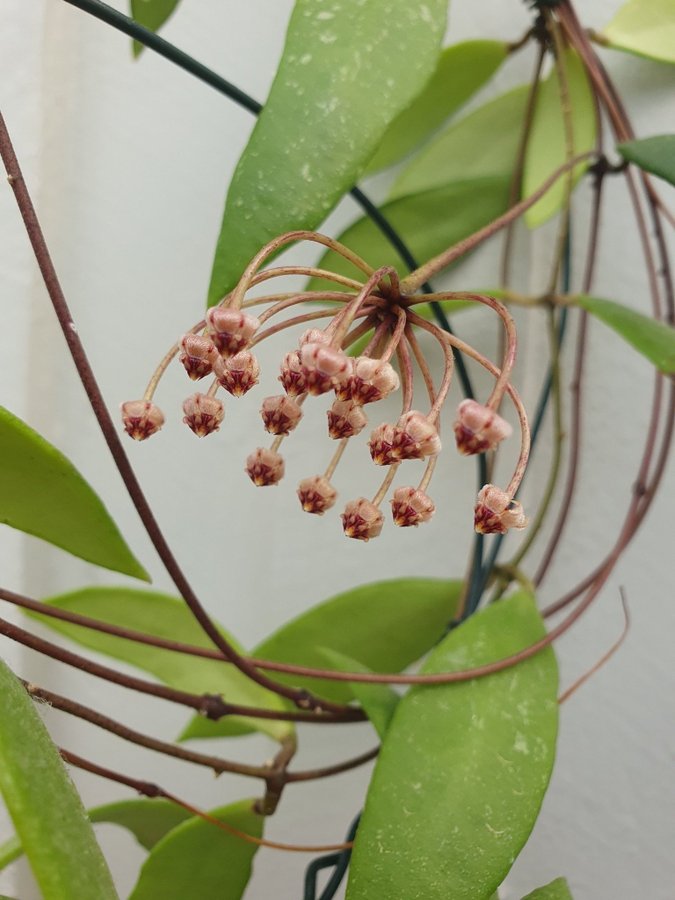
302 699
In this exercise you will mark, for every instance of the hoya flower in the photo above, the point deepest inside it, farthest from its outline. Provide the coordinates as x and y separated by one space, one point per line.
316 494
198 355
280 414
411 506
479 428
230 329
203 414
368 381
362 519
265 467
345 419
238 373
141 419
496 512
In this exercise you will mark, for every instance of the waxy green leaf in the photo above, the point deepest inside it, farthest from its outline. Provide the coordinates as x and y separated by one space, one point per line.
339 84
162 616
653 154
547 145
644 27
152 14
652 339
43 494
463 767
44 805
555 890
462 70
379 701
199 860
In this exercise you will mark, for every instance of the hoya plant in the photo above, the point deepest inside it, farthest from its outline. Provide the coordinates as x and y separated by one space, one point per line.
404 372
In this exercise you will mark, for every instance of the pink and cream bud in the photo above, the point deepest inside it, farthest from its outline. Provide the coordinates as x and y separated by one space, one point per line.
479 428
141 419
280 414
381 445
316 494
230 329
265 467
345 419
324 366
496 512
293 375
238 373
410 506
203 414
369 380
362 520
415 437
198 355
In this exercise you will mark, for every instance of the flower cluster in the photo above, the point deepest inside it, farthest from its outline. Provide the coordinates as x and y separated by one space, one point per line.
371 324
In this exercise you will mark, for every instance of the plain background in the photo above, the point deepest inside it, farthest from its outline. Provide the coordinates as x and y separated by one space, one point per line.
128 164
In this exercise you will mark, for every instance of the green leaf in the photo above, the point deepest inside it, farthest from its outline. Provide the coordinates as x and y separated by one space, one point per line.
654 154
644 27
340 82
463 768
556 890
379 701
162 616
9 851
462 70
199 860
652 339
546 147
43 494
386 626
44 804
152 14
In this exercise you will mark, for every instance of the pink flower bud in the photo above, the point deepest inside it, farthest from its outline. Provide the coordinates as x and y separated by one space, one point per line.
316 494
325 360
479 428
280 414
345 419
496 512
411 506
264 467
313 336
369 380
203 414
381 445
415 437
198 356
293 375
238 373
362 520
230 329
141 419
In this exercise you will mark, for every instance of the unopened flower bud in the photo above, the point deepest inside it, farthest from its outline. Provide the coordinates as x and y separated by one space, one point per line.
415 437
203 414
368 381
496 512
345 419
479 428
198 355
381 445
362 520
410 506
313 336
265 467
327 361
238 373
230 329
280 414
141 419
293 375
316 494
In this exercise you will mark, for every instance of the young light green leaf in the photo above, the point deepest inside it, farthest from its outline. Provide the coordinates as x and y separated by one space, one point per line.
556 890
197 859
463 767
653 154
47 812
546 147
462 70
43 494
152 14
339 84
386 626
379 701
9 851
652 339
644 27
162 616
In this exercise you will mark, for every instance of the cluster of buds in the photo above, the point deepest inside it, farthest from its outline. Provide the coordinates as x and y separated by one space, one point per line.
377 316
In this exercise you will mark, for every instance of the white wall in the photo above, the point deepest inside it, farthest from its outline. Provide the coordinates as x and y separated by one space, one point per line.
128 164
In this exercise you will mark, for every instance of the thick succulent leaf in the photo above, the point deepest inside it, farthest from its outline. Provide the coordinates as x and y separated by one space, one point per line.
463 768
428 222
556 890
44 805
652 339
199 860
546 147
644 27
339 84
162 616
653 154
462 70
152 14
43 494
379 701
386 626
